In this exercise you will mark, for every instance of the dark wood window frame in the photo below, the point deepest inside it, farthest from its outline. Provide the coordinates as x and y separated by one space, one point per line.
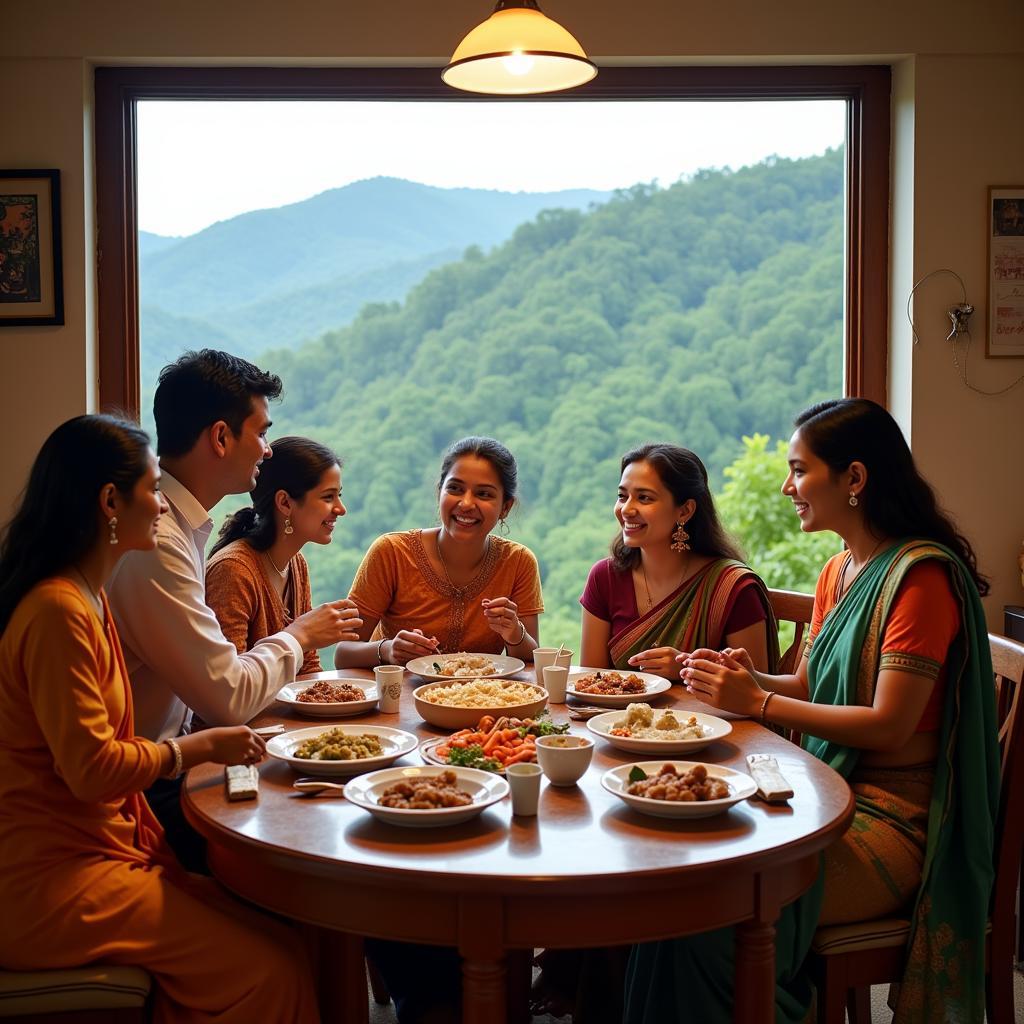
865 88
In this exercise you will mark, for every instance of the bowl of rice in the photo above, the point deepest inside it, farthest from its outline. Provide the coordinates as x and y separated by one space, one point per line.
462 703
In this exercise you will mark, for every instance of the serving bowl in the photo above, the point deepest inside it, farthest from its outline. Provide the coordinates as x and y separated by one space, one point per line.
396 743
448 717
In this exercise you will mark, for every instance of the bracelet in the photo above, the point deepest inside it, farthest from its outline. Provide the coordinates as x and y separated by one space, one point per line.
380 643
764 704
176 768
522 636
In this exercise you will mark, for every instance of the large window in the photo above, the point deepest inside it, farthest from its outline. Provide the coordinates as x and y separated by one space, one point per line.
599 310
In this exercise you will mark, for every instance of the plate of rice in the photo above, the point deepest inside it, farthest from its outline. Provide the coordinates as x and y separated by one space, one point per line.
456 704
465 666
642 729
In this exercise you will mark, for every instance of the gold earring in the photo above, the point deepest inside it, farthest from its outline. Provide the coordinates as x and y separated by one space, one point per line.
288 527
112 523
680 538
853 499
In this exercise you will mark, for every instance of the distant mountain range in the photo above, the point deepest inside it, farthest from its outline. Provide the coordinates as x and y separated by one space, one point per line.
279 277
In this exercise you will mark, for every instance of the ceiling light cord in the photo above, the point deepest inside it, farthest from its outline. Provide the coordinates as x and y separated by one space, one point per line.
961 371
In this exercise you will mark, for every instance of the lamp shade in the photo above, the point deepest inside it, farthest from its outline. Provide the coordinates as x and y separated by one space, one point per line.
518 51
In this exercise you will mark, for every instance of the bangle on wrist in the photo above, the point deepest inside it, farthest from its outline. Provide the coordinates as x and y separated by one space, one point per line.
176 765
522 635
764 704
380 645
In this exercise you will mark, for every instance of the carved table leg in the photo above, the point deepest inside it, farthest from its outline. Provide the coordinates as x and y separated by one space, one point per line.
481 933
755 973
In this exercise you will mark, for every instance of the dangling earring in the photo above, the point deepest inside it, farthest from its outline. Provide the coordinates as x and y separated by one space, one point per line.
853 499
288 527
680 538
503 527
112 523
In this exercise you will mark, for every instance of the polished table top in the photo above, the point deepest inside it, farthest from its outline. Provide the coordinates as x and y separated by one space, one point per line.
582 840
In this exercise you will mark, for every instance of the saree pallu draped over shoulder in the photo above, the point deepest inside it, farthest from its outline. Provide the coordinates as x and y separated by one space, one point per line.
944 977
694 615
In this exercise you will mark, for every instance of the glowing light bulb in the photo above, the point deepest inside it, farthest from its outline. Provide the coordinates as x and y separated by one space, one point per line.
517 63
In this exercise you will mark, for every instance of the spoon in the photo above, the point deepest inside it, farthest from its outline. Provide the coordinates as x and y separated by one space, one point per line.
311 787
269 730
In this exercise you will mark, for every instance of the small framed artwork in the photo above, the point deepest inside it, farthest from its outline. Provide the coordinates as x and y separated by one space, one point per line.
31 274
1005 272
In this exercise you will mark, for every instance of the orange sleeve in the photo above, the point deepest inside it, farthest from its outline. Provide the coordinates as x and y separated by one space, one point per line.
66 689
373 588
923 621
233 596
526 591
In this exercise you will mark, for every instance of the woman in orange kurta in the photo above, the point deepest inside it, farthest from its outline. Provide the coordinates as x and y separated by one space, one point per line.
85 873
456 587
257 580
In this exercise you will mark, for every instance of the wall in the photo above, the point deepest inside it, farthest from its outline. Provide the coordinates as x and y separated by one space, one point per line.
953 75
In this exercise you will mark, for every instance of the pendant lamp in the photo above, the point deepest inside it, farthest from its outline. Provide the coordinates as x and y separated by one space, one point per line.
518 51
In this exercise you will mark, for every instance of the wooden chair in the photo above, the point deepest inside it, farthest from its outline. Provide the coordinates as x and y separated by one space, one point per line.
847 959
792 606
100 994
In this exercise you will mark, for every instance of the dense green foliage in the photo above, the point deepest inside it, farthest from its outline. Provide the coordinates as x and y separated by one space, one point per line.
699 314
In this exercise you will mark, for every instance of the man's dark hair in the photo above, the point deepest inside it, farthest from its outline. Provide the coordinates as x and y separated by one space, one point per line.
200 388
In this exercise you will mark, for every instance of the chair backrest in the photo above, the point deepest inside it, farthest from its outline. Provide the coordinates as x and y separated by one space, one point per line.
792 606
1008 666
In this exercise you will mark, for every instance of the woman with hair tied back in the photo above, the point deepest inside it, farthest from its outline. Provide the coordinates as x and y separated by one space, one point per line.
895 692
674 581
87 874
456 587
257 581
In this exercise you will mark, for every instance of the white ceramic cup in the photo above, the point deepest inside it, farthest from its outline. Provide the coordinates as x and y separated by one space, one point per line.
556 678
524 785
564 759
389 687
542 657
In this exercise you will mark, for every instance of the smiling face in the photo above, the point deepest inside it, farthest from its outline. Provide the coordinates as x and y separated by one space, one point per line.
472 500
137 517
820 496
244 453
313 517
646 509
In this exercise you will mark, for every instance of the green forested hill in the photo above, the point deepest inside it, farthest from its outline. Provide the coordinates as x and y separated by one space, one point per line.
696 314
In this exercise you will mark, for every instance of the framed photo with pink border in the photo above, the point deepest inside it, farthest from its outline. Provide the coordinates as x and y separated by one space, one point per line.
1005 272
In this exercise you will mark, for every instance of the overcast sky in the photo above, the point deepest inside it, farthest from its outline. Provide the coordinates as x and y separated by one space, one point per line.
200 162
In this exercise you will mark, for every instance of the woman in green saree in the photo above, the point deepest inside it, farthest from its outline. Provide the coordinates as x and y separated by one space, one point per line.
674 581
894 692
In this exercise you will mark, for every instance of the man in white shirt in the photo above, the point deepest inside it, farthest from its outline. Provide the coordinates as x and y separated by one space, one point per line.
212 418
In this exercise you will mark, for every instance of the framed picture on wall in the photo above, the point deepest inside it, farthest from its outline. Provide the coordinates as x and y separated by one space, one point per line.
31 275
1005 272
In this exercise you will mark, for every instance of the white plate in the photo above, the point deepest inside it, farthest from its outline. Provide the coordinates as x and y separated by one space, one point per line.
503 666
742 787
342 709
484 787
395 742
655 685
714 729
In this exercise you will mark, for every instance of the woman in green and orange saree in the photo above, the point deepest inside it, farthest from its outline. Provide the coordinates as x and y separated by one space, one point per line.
674 581
895 692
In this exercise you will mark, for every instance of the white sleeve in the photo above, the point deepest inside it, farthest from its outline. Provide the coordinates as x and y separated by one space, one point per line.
162 617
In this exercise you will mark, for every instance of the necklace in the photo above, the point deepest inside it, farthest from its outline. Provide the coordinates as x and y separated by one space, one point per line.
843 585
98 604
647 586
281 572
444 565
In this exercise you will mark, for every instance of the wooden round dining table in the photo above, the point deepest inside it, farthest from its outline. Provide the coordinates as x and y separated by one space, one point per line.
587 871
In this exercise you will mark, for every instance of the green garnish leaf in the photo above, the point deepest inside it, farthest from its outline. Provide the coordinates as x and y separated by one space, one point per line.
543 726
637 774
472 757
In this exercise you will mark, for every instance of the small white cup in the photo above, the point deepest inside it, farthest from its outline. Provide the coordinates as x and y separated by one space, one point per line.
564 759
556 678
564 659
524 785
389 687
542 657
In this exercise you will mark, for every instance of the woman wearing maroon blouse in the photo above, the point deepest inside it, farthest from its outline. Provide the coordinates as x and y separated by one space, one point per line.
674 581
